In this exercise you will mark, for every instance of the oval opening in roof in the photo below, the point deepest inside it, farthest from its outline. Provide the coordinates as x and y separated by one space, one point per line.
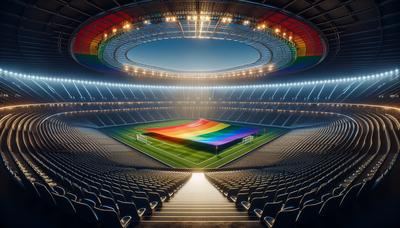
200 55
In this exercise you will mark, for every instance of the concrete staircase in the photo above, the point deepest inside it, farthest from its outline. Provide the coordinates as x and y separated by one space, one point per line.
199 204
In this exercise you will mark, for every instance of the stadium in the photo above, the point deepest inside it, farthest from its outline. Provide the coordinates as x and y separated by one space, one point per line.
200 113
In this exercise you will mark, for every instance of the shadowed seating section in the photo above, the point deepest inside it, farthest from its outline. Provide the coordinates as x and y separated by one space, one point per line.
53 90
254 113
327 168
325 172
110 218
65 171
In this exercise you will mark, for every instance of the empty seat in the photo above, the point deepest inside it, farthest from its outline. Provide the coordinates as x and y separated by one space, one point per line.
59 190
92 196
44 194
254 195
130 209
337 191
108 201
64 204
351 196
309 214
309 196
330 206
270 209
106 192
239 198
270 194
256 203
281 197
284 219
326 196
155 197
365 189
119 196
142 202
109 218
85 213
71 196
292 202
89 202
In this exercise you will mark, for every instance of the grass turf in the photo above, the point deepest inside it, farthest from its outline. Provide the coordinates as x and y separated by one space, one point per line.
182 156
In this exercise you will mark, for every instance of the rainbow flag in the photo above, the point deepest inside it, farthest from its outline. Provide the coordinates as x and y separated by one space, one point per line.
205 131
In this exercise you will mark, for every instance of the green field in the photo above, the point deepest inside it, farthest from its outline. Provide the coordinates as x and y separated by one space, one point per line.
181 156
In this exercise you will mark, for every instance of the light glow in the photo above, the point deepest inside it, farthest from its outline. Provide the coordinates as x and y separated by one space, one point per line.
197 177
126 26
378 76
170 19
226 20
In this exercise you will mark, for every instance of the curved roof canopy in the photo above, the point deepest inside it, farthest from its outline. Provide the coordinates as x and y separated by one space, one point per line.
360 35
285 42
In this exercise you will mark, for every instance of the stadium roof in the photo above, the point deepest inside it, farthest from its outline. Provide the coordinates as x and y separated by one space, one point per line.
360 35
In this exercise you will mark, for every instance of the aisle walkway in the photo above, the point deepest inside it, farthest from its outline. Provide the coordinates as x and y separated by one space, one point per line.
199 204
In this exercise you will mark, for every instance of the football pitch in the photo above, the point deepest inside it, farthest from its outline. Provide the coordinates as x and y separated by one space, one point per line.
179 155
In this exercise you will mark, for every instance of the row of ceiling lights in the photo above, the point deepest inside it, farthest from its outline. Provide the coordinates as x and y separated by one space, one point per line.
137 71
126 26
390 73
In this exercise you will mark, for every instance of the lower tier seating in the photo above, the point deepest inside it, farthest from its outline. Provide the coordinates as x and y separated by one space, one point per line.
328 169
63 170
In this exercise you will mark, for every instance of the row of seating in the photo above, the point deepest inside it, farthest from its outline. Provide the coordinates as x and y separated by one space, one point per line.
261 113
62 169
331 169
18 88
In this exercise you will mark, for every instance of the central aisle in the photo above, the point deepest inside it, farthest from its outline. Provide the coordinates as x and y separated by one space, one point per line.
199 204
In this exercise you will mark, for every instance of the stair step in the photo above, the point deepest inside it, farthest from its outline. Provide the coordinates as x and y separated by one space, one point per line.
199 204
227 218
199 224
228 209
199 213
225 202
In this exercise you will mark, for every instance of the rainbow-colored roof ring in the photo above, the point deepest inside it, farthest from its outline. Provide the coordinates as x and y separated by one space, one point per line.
286 43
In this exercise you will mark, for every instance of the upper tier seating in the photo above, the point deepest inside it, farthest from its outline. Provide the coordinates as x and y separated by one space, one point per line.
257 113
16 89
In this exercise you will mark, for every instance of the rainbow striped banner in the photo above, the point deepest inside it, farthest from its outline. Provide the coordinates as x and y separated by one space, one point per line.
205 131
